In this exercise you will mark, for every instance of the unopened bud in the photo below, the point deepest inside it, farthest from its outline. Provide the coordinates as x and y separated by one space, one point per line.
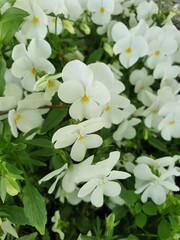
108 49
68 26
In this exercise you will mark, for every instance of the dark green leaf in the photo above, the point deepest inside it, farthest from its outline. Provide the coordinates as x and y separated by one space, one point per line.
15 214
150 208
10 22
31 236
40 142
2 72
141 220
164 229
34 207
158 144
54 118
95 56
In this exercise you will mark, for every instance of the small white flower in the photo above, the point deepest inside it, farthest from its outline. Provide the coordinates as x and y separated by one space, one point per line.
83 89
99 180
34 25
24 120
28 62
152 186
80 136
101 10
48 83
130 46
146 10
141 80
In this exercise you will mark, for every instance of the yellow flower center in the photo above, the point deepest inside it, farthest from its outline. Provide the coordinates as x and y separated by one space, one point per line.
34 71
81 137
142 87
147 18
101 10
85 98
154 111
53 20
18 117
50 84
128 50
107 108
171 122
35 19
156 53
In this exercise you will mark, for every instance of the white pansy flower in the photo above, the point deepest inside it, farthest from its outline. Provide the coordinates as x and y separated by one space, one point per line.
80 136
24 120
130 46
81 88
152 186
99 180
27 63
170 126
48 83
152 118
146 10
161 46
34 25
74 8
54 6
142 82
101 10
126 127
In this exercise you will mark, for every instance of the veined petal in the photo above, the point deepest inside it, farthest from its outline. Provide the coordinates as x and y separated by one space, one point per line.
97 197
111 189
88 187
70 91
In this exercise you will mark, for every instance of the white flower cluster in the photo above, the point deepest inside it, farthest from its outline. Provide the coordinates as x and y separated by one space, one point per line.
95 93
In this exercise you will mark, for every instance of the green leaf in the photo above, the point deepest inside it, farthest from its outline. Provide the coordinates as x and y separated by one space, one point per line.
54 118
2 2
164 229
150 208
158 144
141 220
15 214
34 207
3 188
132 237
2 72
31 236
138 208
95 56
10 22
40 142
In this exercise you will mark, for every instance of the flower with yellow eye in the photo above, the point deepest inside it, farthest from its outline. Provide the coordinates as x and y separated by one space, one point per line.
101 10
28 62
129 45
79 135
81 88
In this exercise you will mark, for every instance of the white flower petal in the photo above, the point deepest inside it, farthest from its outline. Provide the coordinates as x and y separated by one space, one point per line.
97 197
88 187
70 91
143 172
93 141
98 92
39 48
118 175
78 151
111 189
158 194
